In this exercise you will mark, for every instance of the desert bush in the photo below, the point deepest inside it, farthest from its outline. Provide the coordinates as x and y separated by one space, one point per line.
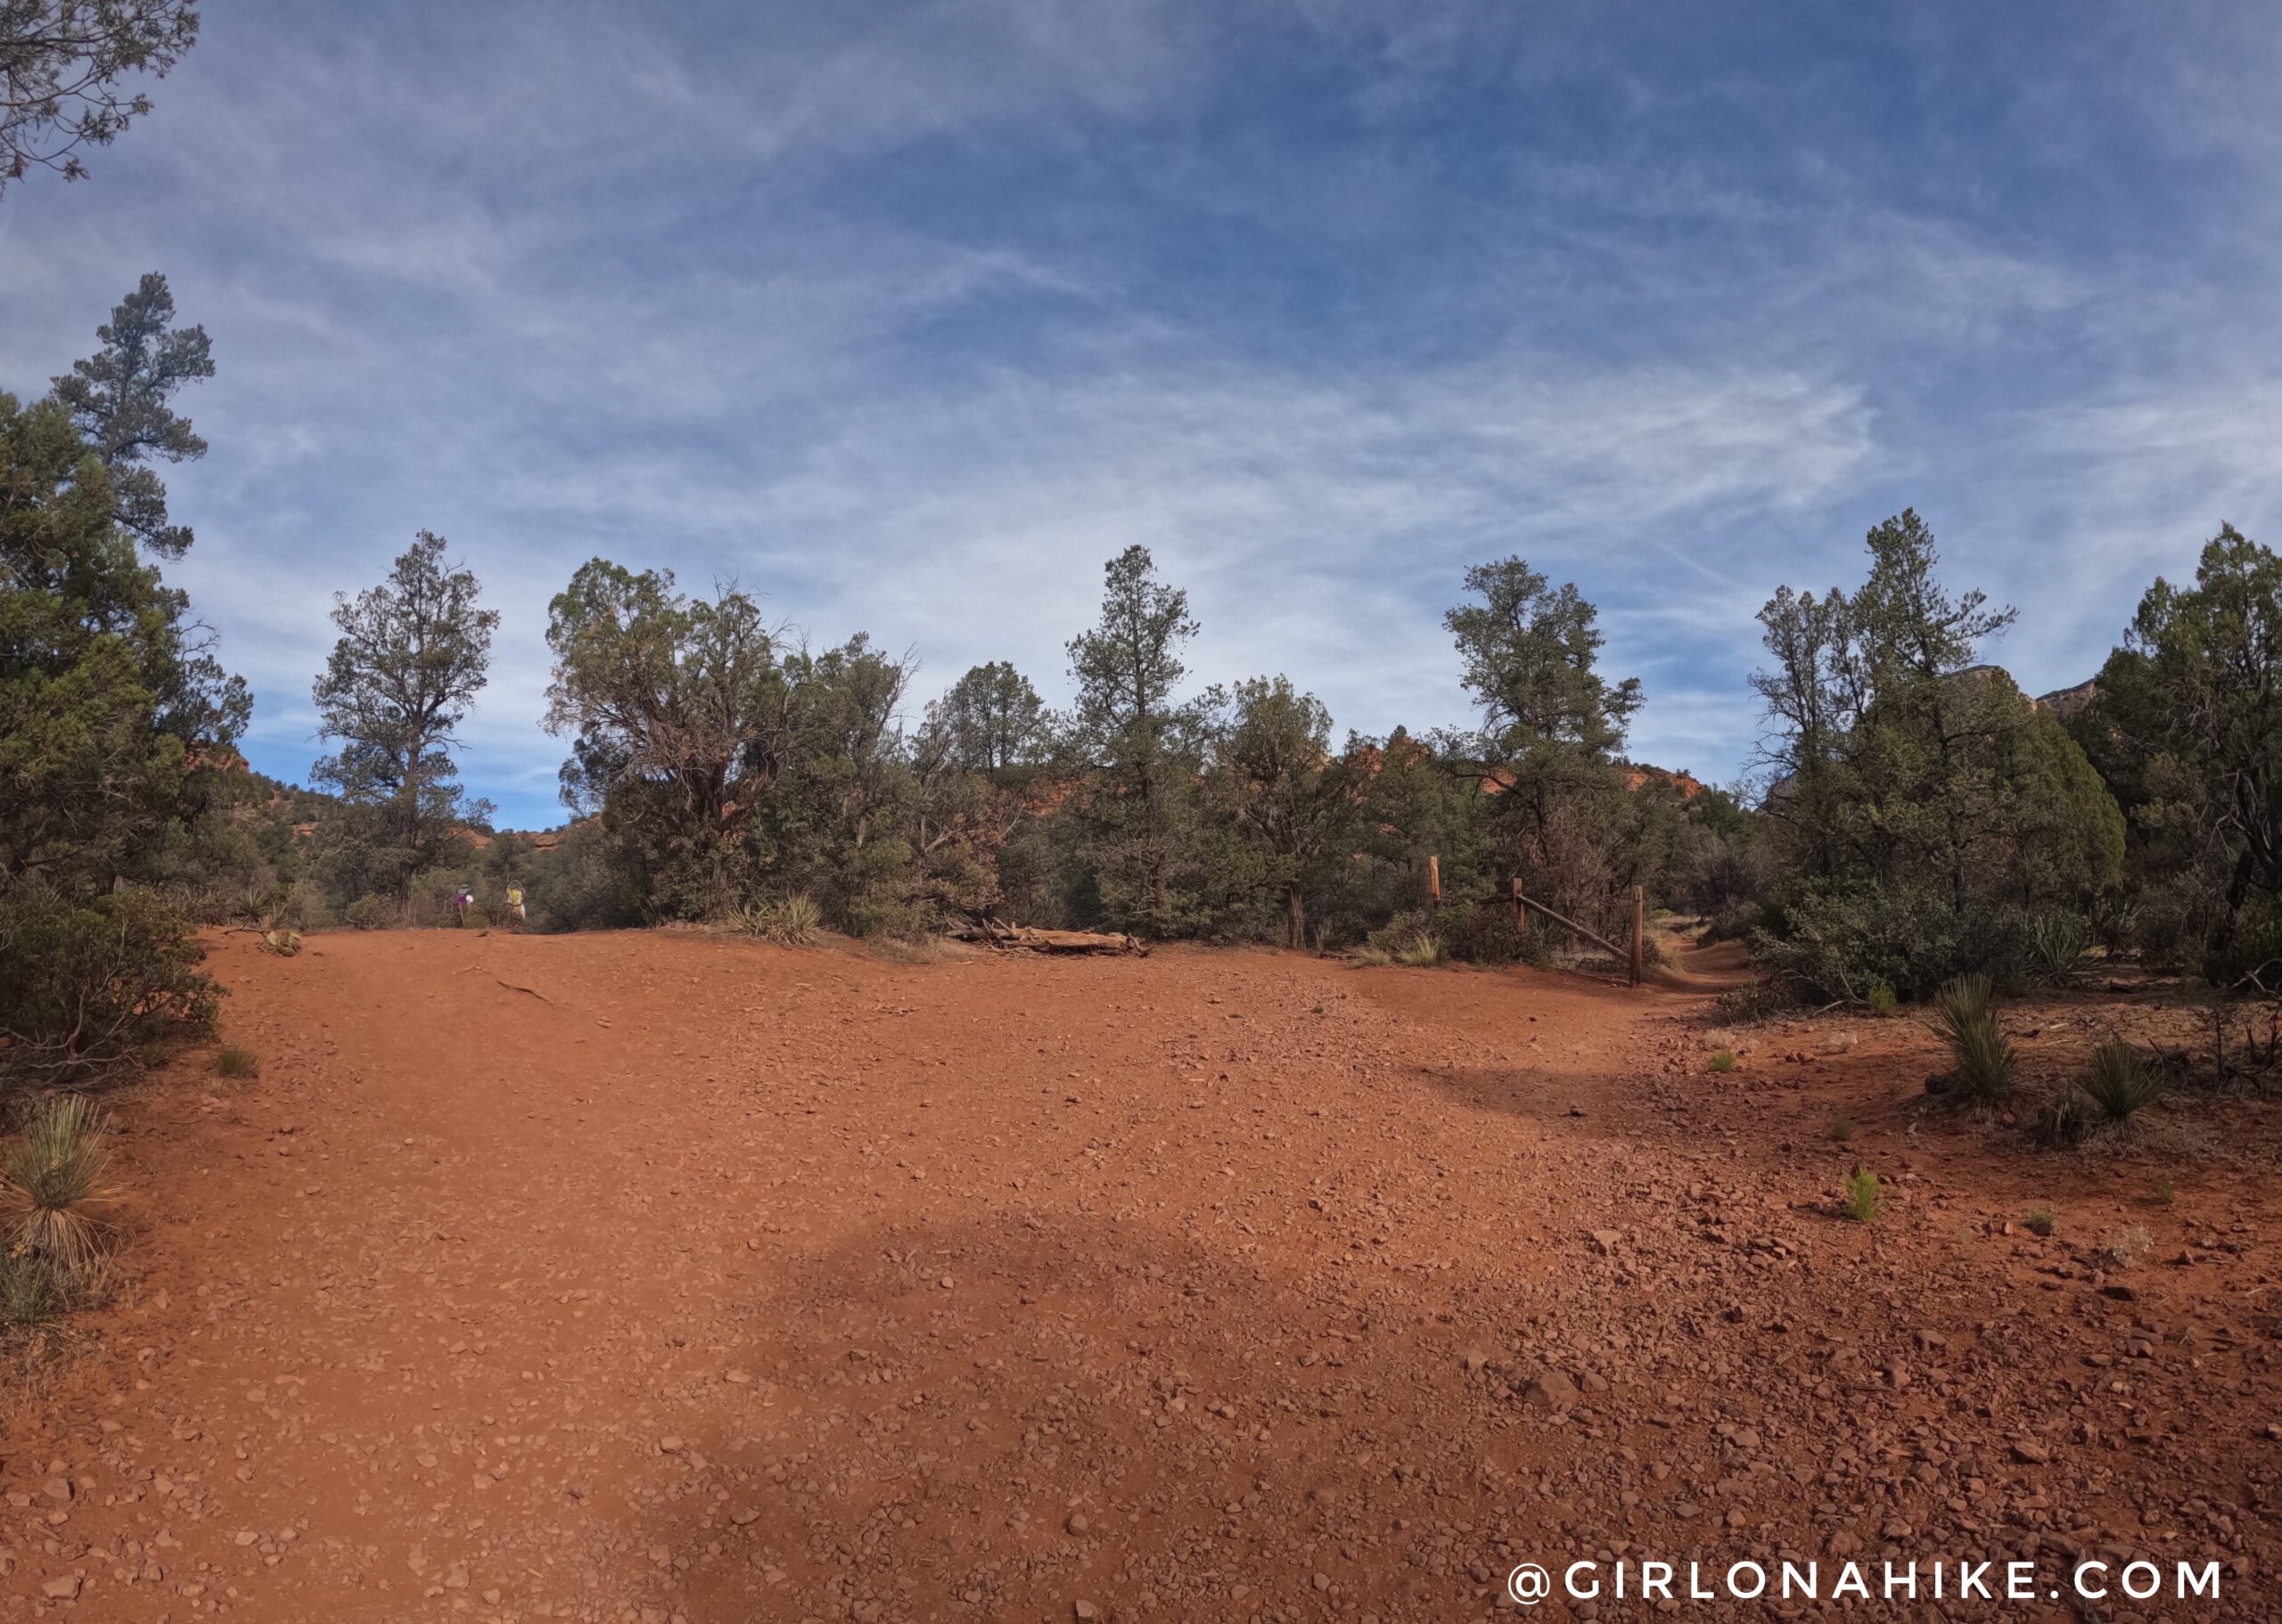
88 986
1861 1198
1368 957
1723 1060
592 881
2042 1221
372 912
2166 1190
1883 1001
1842 1128
52 1179
2120 1080
1734 924
234 1062
1488 935
1401 930
1754 1001
284 944
1966 1016
1840 943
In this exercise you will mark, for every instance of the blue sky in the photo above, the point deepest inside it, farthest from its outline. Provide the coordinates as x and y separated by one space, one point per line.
908 317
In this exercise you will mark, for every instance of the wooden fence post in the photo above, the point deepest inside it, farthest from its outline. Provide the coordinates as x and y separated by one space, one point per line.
1639 914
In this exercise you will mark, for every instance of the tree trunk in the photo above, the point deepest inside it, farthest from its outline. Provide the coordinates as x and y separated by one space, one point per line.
1295 919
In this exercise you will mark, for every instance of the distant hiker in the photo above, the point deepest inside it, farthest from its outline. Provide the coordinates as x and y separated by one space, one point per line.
461 901
515 901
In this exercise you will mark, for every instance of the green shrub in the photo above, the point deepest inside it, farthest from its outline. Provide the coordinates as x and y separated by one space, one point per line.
1723 1060
2253 948
1861 1199
1966 1012
1754 1001
2043 1221
1842 1126
1883 1001
1400 930
51 1180
591 881
1840 943
237 1063
86 987
2120 1080
372 912
2166 1190
1488 935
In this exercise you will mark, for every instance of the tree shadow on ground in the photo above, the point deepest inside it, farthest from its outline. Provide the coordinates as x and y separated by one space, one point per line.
1001 1417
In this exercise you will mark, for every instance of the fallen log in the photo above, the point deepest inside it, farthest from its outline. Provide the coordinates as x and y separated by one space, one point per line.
1031 940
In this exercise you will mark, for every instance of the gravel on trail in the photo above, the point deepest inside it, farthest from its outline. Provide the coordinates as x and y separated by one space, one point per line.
662 1276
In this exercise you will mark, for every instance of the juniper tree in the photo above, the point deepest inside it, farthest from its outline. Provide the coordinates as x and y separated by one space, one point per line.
62 62
1276 777
414 653
990 721
120 398
1551 726
1144 743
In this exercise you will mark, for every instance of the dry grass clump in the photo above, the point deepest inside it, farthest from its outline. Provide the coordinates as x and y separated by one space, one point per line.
236 1062
1723 1060
2127 1246
1965 1017
1423 951
1418 950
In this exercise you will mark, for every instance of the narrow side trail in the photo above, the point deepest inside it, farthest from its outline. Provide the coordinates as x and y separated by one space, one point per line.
661 1277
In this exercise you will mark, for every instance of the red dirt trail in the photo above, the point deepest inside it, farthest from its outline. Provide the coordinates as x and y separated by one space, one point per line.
663 1276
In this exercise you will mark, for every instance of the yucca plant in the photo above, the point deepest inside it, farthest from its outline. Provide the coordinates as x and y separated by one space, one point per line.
1966 1016
2120 1080
2060 941
793 921
53 1181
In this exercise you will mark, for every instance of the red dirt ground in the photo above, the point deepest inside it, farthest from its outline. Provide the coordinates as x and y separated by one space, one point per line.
665 1276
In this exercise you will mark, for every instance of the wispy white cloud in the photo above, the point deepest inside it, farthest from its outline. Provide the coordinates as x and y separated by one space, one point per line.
909 315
